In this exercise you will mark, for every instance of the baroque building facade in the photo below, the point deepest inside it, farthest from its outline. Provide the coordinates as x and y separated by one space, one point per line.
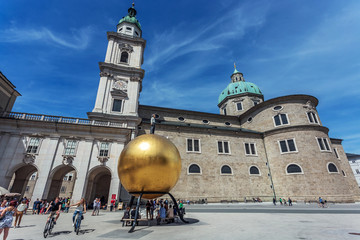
253 148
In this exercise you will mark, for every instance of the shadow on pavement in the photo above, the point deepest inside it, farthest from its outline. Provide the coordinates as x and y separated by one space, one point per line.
25 226
60 233
84 231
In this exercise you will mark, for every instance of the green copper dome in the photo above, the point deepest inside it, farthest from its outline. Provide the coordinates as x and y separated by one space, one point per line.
130 20
240 87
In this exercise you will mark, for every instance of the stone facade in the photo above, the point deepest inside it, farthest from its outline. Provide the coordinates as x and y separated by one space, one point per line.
273 148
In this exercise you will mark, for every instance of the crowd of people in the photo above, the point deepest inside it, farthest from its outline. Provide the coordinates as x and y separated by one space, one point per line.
40 206
160 209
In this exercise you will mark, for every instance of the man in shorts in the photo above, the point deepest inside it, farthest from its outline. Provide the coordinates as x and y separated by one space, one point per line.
55 208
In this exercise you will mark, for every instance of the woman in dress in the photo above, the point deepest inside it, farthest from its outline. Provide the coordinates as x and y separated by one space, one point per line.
6 219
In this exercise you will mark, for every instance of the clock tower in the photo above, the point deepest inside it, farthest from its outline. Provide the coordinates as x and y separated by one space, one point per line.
121 74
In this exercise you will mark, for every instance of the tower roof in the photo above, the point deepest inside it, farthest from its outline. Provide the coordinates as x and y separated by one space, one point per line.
131 17
238 88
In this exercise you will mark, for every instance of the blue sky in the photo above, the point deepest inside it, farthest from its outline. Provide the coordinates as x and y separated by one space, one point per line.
50 50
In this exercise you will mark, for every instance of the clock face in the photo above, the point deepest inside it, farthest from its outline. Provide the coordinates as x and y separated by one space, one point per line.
120 85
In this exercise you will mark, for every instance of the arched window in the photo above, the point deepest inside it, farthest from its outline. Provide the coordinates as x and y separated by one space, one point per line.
332 168
254 171
226 170
293 168
194 168
124 57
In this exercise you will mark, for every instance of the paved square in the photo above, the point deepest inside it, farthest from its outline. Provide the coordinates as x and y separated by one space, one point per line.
215 221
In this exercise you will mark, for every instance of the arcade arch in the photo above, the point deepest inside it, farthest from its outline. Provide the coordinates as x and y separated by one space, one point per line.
56 181
22 179
98 184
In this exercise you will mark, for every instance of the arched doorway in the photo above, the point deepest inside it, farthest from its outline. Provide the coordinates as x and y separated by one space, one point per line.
98 185
23 180
59 179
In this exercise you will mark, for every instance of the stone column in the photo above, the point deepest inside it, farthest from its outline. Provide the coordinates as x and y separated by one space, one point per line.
45 166
82 165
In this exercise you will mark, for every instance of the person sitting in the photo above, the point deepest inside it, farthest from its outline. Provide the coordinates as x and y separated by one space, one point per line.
133 212
126 215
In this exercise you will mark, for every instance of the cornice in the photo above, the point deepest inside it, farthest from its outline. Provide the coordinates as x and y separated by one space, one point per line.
115 35
135 73
296 128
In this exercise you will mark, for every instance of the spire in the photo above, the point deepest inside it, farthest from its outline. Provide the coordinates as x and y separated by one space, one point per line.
132 11
235 70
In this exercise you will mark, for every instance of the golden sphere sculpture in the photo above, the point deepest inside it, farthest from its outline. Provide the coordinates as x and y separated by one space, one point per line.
149 163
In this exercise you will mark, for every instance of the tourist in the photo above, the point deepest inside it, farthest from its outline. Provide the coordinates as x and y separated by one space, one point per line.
321 202
284 201
274 201
94 207
133 212
152 123
55 208
126 215
6 218
152 208
35 206
290 201
170 214
43 207
80 209
19 213
112 204
148 209
280 200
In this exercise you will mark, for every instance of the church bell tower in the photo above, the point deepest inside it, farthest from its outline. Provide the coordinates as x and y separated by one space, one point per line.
121 74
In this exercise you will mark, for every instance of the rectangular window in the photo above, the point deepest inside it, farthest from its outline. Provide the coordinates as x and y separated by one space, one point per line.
117 105
323 144
312 117
239 106
287 146
33 145
104 149
250 149
223 147
70 148
63 189
193 145
281 119
27 188
224 110
70 177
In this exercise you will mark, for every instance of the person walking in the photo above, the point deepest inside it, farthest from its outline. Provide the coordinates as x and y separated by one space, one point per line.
274 201
19 213
152 123
6 219
290 201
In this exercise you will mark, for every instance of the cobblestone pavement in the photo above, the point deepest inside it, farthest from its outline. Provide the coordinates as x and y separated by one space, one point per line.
212 221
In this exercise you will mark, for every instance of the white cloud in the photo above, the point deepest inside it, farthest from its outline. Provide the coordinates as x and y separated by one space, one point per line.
205 35
78 39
